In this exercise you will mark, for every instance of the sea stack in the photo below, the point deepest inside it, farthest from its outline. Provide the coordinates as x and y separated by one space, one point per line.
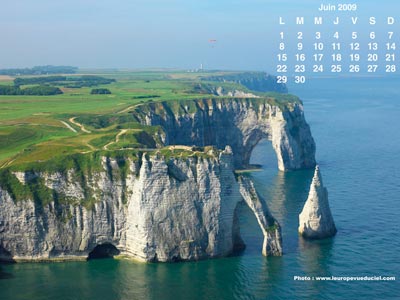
316 221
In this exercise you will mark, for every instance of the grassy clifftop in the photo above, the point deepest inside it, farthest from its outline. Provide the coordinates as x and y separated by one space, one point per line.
38 129
283 101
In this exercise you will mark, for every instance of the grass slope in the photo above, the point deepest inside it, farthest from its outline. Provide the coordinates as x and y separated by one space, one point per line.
36 129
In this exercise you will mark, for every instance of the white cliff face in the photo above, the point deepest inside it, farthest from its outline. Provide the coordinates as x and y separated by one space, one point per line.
240 123
182 210
32 231
162 210
220 91
315 220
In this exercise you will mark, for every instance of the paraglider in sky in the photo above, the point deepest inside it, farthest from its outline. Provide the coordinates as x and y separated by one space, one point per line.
212 42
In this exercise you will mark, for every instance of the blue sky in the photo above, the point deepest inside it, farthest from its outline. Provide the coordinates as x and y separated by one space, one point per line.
151 33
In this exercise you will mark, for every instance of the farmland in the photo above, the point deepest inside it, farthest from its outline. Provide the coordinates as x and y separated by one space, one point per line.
36 128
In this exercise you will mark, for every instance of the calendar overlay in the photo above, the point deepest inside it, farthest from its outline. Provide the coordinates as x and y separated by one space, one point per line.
336 41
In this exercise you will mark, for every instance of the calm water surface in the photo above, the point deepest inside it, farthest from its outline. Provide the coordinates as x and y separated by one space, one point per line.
355 123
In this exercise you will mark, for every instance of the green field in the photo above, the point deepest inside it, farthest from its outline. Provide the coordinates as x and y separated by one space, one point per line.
37 128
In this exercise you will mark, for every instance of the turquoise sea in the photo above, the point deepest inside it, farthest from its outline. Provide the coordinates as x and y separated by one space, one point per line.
355 123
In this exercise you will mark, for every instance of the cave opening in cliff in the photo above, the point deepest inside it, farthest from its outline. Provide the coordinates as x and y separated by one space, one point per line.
5 256
106 250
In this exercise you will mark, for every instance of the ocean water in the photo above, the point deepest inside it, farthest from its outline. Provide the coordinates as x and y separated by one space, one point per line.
355 123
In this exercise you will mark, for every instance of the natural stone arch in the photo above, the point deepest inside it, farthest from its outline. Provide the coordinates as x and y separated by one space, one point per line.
252 141
272 244
240 123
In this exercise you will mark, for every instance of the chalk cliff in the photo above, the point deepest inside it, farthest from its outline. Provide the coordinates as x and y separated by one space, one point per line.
256 81
240 123
162 210
315 220
163 205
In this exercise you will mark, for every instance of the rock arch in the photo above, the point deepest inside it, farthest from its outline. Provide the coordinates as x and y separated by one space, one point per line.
272 245
240 123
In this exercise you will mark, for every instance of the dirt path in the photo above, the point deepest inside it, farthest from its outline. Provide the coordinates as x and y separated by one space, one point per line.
68 126
7 163
126 109
72 120
92 148
123 131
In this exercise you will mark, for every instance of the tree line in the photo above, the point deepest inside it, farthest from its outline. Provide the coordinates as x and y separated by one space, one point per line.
47 85
39 70
41 90
66 81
